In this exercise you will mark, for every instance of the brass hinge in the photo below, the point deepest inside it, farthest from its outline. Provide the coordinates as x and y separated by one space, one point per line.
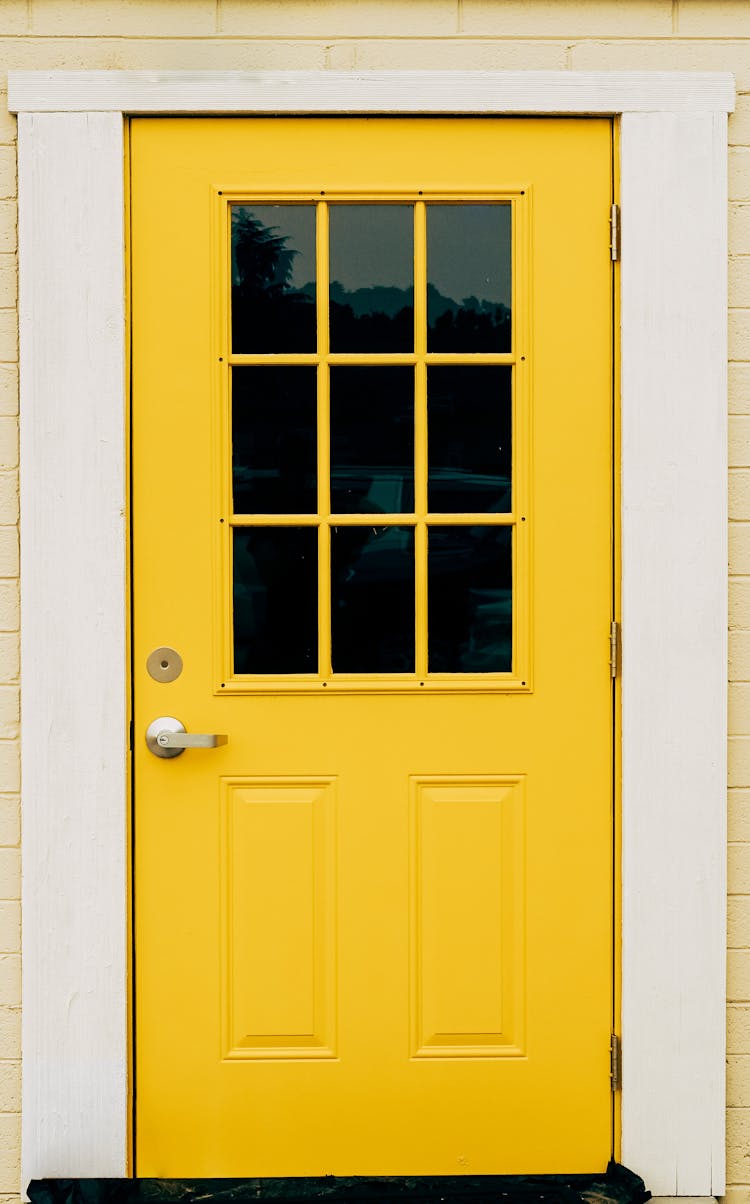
614 232
615 1062
614 647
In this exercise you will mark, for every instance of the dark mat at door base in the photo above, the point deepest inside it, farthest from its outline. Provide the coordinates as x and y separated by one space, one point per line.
617 1186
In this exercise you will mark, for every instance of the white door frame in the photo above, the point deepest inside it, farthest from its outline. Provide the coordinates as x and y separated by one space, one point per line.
673 172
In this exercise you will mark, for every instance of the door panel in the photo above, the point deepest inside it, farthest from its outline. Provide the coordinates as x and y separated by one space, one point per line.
372 512
466 862
279 913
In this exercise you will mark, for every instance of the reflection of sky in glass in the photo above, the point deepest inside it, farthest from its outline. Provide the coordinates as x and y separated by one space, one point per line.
372 245
468 251
296 224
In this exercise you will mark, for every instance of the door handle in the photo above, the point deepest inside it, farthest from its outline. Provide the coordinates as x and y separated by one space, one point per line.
166 737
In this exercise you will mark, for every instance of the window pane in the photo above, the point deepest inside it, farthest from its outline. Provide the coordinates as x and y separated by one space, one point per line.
372 440
468 277
372 277
273 278
274 440
275 600
470 577
469 438
372 599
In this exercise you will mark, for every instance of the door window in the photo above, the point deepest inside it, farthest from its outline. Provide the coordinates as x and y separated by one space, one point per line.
371 380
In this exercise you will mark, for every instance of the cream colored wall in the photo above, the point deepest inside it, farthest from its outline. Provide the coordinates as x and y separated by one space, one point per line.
367 35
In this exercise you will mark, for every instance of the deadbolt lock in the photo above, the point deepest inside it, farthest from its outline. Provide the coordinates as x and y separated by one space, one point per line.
164 664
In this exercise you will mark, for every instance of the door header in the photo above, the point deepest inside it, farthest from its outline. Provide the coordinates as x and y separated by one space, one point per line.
542 92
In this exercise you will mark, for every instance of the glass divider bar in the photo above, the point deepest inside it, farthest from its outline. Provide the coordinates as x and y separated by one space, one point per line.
420 434
366 519
324 467
354 358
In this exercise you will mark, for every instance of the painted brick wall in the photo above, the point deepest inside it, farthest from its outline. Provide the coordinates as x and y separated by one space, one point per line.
372 34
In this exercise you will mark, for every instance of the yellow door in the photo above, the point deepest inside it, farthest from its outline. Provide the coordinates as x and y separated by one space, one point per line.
372 546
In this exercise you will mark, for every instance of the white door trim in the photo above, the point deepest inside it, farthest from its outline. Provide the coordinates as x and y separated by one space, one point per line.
545 92
673 147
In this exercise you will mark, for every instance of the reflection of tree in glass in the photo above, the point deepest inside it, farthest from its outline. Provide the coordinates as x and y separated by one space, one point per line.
382 319
268 313
272 314
372 319
474 325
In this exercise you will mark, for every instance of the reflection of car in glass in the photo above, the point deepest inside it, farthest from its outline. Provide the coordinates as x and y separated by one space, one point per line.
373 490
372 599
470 625
469 597
389 489
475 489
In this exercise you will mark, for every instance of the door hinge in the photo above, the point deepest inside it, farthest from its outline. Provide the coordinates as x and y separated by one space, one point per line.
614 647
614 232
615 1062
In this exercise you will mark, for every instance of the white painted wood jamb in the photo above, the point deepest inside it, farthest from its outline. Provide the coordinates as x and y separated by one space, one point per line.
673 181
674 623
75 1118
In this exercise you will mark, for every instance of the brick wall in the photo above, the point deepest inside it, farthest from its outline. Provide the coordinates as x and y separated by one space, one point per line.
10 820
372 34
